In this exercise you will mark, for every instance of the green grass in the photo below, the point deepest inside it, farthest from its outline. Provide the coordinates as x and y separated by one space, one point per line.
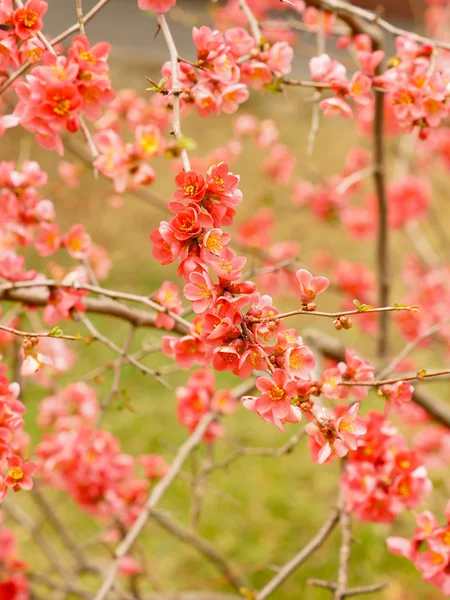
260 511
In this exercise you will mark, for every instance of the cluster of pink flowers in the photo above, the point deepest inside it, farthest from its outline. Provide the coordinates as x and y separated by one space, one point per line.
198 397
355 370
433 445
409 199
225 337
29 219
18 40
227 65
167 295
88 462
416 87
61 90
13 580
429 288
129 116
382 476
428 550
15 472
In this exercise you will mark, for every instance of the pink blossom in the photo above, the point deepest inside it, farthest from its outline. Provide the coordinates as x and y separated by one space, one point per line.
77 242
310 286
19 474
48 240
159 6
336 106
277 394
201 291
28 20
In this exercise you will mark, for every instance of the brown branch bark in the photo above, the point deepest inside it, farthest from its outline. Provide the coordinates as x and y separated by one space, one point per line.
156 495
300 558
203 546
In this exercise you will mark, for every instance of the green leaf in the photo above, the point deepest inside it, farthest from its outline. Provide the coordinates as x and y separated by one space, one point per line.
187 144
362 307
275 86
56 332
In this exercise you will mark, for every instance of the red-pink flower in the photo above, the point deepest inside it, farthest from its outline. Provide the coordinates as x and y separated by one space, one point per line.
167 296
299 361
159 6
20 473
359 88
189 223
277 393
397 394
192 186
77 242
310 286
166 247
201 291
336 107
350 427
155 467
28 20
227 266
48 240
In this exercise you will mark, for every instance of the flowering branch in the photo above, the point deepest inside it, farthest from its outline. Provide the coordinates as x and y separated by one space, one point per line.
335 315
347 12
418 377
59 38
333 349
48 334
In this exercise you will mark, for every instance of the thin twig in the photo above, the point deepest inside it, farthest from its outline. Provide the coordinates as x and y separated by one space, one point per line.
156 495
380 382
47 334
409 348
336 315
345 525
176 91
115 348
61 529
300 558
253 23
332 348
345 10
115 295
80 16
315 121
118 370
203 546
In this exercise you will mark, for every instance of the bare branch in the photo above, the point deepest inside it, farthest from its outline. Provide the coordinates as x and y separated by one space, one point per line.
332 348
300 558
115 348
156 495
176 91
203 546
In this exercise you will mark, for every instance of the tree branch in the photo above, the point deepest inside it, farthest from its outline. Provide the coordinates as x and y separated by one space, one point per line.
156 495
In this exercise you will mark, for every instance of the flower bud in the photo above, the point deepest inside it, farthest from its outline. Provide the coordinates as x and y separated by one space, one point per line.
337 324
346 322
